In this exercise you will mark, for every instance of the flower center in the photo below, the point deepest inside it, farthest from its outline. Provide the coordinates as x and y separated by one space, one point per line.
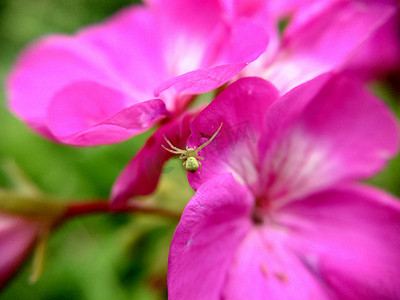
259 211
257 217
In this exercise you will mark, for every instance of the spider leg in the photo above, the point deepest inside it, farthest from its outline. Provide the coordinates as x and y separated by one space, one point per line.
172 146
209 141
200 157
172 151
182 156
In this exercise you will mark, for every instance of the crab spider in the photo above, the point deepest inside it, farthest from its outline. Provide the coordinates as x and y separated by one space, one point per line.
191 163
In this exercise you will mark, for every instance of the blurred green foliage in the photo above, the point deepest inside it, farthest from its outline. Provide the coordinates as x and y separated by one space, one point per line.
103 256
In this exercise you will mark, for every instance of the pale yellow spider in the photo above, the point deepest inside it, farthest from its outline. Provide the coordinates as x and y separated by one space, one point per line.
191 163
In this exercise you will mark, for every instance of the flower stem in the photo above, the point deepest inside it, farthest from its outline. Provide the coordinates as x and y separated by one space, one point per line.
102 206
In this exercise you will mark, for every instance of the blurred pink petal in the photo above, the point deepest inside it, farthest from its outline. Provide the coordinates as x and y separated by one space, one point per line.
357 36
142 53
17 237
85 113
379 54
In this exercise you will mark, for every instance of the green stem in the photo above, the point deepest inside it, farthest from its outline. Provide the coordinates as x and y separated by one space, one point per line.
102 206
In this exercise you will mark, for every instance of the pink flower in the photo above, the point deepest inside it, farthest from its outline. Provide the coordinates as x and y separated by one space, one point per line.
17 238
117 79
304 52
359 36
277 214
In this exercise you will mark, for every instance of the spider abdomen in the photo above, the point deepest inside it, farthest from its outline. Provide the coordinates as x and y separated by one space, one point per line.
191 165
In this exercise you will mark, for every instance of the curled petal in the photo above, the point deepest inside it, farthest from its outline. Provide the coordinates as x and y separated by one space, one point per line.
85 114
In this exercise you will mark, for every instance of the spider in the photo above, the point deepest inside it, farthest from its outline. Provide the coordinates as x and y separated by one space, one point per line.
191 163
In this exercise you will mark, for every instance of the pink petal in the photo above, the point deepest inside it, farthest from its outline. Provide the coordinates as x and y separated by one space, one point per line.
212 226
327 130
215 49
380 53
229 49
247 8
263 268
274 10
200 27
133 55
86 113
263 14
238 109
141 175
200 81
122 56
349 237
16 240
342 35
132 43
288 8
